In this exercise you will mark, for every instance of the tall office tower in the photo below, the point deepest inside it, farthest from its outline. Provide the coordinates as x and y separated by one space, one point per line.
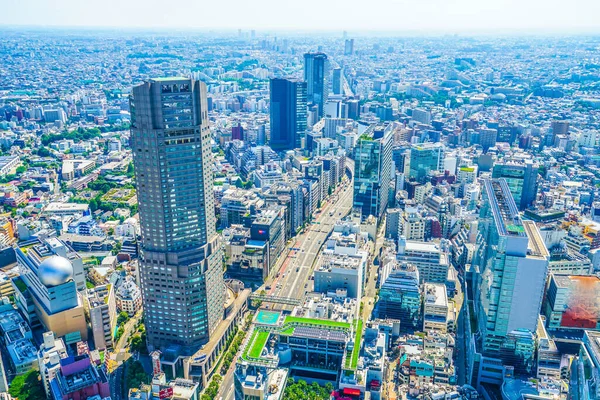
522 179
180 263
338 83
349 47
288 113
513 264
425 158
373 170
316 75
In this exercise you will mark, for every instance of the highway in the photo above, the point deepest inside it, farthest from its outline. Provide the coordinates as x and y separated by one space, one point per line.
292 277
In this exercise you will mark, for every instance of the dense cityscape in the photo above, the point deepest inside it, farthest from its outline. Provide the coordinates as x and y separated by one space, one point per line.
253 215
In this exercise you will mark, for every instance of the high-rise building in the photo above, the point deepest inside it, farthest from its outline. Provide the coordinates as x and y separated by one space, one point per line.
337 81
426 158
372 170
288 113
513 264
349 47
316 75
180 261
522 179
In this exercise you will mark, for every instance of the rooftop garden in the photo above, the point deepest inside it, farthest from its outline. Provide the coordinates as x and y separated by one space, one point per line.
352 359
260 340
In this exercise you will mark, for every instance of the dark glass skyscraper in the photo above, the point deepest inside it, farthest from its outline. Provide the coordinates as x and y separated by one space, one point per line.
316 75
337 81
180 258
288 113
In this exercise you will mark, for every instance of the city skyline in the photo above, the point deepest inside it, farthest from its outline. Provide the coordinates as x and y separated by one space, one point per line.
429 17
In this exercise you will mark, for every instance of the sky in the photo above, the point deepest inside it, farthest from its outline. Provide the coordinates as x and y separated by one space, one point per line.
354 16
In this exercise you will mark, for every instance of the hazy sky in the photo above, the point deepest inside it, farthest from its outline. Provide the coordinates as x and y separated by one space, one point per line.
425 16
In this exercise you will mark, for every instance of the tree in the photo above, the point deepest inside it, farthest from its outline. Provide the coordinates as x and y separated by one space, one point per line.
135 374
21 169
27 386
122 318
138 343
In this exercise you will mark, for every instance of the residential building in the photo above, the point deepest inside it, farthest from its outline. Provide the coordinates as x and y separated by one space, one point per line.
101 308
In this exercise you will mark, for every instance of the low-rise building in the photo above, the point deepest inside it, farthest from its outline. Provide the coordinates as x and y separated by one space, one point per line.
129 296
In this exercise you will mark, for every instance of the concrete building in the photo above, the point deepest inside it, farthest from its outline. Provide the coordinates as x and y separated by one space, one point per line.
429 257
572 302
101 308
46 293
128 296
180 246
78 378
51 351
18 340
435 308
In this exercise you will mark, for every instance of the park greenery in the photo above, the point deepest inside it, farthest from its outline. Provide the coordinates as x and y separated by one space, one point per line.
300 390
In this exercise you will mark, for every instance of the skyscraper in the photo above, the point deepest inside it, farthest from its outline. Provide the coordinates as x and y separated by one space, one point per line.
349 47
337 81
180 263
522 179
513 264
288 113
316 75
372 170
425 158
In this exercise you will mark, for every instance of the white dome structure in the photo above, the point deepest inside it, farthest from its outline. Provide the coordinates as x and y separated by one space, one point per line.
55 271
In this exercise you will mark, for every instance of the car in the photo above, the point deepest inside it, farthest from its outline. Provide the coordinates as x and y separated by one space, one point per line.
268 287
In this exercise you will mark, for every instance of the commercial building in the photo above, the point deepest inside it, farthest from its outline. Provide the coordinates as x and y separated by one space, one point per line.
180 262
52 350
429 257
316 75
424 159
400 294
46 292
78 378
508 289
572 302
372 171
18 340
435 308
288 113
521 178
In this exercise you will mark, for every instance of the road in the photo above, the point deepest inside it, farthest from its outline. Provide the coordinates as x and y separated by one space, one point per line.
297 267
294 267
